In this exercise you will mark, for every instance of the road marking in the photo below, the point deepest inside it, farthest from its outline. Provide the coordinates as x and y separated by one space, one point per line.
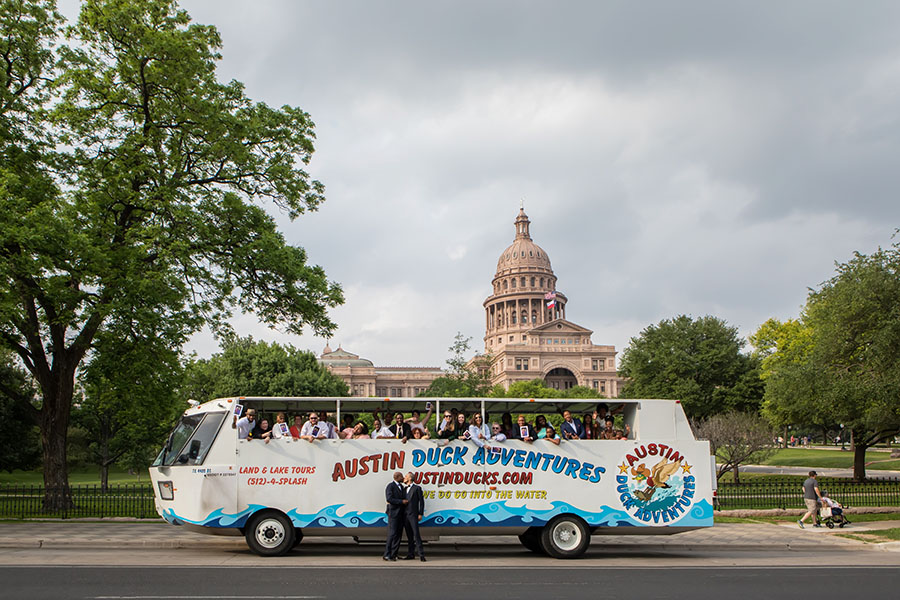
205 596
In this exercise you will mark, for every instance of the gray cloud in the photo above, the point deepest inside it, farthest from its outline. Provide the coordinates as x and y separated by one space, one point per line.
699 157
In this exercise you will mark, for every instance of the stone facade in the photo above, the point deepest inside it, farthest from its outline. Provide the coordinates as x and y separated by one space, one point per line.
365 379
527 334
524 337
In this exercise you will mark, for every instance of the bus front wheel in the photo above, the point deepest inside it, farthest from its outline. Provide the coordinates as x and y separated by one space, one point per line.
270 533
566 536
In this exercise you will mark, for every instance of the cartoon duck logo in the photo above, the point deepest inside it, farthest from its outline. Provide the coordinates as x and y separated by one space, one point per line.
659 493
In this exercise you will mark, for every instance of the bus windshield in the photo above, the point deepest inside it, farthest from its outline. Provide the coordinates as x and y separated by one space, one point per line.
200 430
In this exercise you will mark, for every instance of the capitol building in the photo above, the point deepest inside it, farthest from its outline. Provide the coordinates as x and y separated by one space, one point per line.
527 336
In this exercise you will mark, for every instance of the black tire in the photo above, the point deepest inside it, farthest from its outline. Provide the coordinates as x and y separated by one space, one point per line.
531 539
566 536
298 537
829 524
269 533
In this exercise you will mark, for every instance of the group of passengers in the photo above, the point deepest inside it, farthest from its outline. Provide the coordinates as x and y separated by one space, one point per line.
455 425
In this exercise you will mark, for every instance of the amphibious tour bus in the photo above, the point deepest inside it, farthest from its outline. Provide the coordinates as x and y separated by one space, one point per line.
655 479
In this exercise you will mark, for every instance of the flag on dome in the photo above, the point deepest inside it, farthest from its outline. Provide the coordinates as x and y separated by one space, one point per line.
550 295
551 304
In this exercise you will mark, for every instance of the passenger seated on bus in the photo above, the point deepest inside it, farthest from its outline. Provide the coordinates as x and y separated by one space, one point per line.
360 431
277 432
297 426
540 426
550 435
348 421
478 431
313 430
400 430
261 430
330 429
609 431
506 425
453 430
523 430
591 430
245 424
445 422
572 428
379 432
417 422
497 435
420 434
348 429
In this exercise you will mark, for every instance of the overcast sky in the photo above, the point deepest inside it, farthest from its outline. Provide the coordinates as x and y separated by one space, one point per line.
700 158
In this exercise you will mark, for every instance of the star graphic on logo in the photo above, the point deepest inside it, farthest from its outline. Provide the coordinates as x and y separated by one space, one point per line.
685 468
623 468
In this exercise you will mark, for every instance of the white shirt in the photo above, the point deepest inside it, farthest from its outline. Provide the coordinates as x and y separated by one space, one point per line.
308 430
244 426
330 433
383 432
474 432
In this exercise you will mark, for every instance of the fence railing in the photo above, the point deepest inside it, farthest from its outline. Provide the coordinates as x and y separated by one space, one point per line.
787 493
120 500
136 500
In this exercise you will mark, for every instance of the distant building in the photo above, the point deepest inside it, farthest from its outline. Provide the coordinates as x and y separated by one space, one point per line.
527 336
365 379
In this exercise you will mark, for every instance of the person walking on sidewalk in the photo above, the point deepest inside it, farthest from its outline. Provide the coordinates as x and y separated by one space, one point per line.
811 496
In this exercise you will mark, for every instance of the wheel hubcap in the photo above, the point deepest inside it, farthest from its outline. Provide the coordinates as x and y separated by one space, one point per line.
269 533
566 536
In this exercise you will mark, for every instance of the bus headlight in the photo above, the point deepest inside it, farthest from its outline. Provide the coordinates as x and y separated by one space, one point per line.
166 491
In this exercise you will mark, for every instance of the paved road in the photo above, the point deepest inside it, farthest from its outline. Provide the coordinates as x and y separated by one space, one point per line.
164 545
373 583
774 470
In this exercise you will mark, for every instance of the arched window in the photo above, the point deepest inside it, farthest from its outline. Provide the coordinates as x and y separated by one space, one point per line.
504 284
534 316
522 282
513 318
514 282
542 282
532 282
524 317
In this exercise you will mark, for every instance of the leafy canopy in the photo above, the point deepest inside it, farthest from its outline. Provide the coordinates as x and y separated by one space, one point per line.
699 362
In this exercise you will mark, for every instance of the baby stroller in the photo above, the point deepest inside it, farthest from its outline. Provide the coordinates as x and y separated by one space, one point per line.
831 513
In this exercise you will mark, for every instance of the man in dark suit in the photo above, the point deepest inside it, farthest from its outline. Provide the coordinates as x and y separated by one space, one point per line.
414 511
395 494
400 430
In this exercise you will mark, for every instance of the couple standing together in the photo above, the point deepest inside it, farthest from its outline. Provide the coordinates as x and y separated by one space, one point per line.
405 506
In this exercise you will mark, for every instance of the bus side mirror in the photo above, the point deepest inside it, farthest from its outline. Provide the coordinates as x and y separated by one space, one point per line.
195 450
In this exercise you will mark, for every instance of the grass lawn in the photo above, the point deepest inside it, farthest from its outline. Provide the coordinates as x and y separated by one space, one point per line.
884 534
830 459
860 518
81 476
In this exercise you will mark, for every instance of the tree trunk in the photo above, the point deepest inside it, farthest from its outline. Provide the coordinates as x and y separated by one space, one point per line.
784 438
57 406
104 455
737 474
859 457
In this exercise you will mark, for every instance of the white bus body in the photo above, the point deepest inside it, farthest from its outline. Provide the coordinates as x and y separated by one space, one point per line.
552 497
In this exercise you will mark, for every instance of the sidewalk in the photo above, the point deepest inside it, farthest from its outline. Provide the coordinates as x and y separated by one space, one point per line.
758 536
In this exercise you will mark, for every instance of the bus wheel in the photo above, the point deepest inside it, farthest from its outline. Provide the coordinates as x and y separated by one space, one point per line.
298 537
269 533
566 536
531 539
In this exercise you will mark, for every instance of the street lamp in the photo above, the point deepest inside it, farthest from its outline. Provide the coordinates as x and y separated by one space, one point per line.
842 436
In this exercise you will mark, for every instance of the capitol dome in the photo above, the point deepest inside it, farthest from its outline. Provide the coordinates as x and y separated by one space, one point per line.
523 253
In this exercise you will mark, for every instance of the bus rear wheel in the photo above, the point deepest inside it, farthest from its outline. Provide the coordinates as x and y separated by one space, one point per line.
531 539
566 536
270 533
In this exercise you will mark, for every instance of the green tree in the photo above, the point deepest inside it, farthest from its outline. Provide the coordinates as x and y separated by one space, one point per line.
133 181
735 439
793 385
465 378
129 399
855 320
246 367
20 446
699 362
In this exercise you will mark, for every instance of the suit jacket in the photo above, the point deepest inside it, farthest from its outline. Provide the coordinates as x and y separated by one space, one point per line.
575 427
395 497
405 430
416 499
